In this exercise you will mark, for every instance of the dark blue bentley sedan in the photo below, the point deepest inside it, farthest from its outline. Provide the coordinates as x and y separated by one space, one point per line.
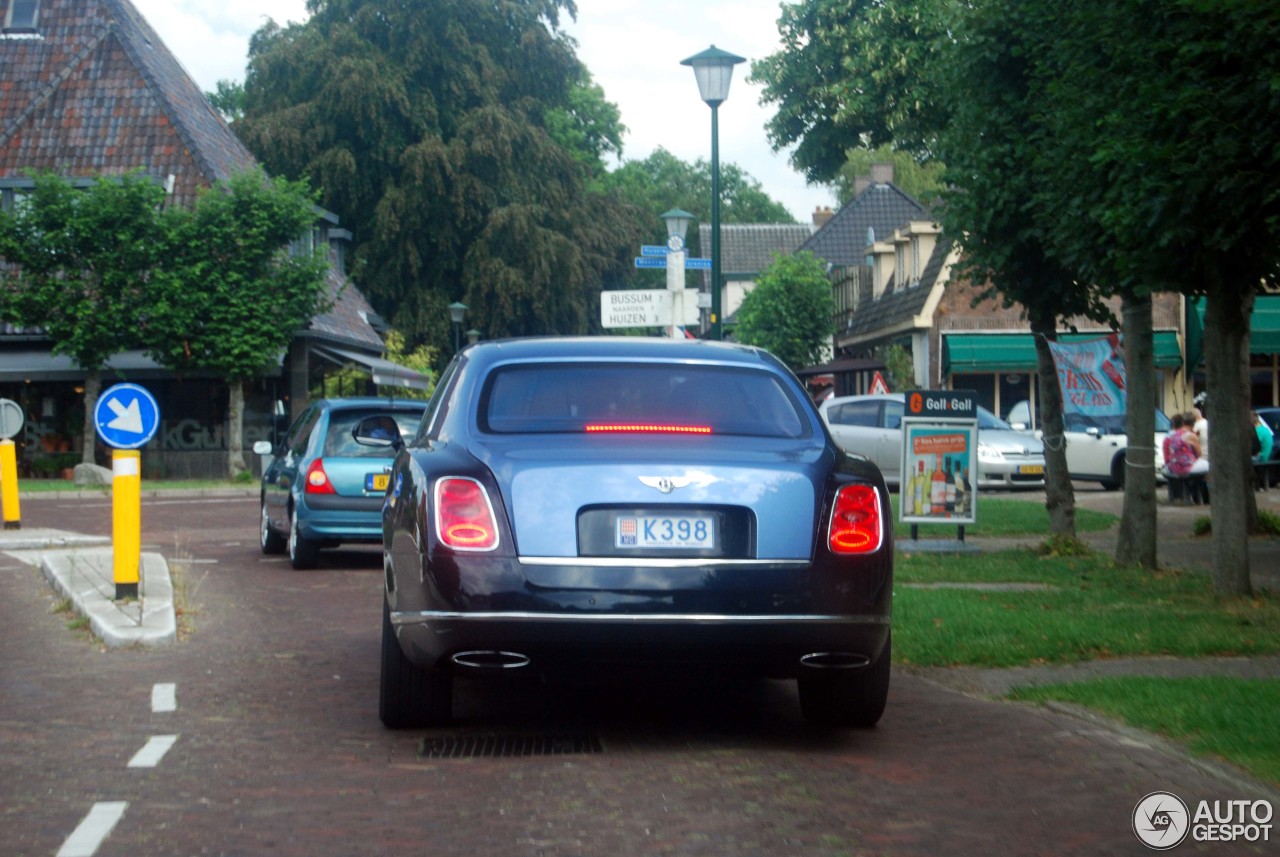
619 502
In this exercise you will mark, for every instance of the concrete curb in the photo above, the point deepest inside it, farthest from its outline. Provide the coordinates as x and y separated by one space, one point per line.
86 577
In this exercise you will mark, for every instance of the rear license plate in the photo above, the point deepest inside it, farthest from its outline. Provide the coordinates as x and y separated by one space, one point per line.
376 481
655 531
1031 469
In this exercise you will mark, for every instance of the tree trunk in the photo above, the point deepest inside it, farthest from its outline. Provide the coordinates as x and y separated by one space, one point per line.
235 429
88 445
1059 496
1137 541
1226 350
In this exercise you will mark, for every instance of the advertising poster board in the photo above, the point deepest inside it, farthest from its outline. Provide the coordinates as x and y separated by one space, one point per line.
939 482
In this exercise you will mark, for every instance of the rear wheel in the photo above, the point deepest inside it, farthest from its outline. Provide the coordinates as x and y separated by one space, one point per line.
271 541
1117 474
842 700
410 697
303 552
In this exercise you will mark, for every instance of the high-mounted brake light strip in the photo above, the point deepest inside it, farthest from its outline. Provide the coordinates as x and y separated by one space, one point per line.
645 428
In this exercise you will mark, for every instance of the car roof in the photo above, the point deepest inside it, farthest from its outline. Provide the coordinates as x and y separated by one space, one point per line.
639 348
386 402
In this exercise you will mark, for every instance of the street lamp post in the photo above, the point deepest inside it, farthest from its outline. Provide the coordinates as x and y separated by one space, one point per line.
457 312
677 225
713 69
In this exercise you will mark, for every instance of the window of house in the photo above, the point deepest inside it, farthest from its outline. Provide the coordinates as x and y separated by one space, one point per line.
22 16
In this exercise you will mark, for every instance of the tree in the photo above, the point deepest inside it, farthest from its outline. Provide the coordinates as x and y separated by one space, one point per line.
991 149
789 310
1163 117
232 296
455 139
80 266
228 99
850 75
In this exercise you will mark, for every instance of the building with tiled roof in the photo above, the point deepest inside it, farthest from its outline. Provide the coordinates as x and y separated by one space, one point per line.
746 249
88 89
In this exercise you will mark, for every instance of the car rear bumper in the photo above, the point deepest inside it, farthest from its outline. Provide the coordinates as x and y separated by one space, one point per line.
779 646
335 518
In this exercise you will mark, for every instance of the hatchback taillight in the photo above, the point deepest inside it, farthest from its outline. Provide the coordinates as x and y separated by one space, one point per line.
857 523
317 481
464 515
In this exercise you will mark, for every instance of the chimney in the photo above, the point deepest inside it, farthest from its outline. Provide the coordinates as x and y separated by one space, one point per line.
882 173
821 215
860 183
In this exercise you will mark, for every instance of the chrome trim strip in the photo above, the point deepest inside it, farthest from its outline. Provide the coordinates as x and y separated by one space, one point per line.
423 617
658 562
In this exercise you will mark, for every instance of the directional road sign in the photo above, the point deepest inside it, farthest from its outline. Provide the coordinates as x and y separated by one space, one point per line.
653 250
661 262
126 416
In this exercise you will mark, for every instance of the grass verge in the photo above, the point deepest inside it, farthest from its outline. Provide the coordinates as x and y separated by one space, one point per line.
1232 719
949 610
46 486
1000 517
1089 608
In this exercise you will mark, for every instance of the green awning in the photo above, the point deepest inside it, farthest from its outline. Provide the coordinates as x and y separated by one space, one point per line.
1264 328
1016 352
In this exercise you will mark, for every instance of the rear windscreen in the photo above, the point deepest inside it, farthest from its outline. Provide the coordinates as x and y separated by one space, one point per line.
339 442
632 397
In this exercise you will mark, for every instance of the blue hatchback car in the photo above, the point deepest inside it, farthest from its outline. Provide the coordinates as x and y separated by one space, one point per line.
321 488
624 503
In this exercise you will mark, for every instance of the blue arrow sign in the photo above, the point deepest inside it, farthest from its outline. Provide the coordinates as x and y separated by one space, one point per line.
695 264
653 250
126 416
651 262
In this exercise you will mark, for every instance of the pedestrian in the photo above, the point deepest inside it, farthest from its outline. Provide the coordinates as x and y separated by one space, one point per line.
1182 459
1200 426
1266 439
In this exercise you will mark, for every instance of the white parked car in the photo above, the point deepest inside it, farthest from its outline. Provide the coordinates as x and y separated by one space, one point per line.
1097 447
872 426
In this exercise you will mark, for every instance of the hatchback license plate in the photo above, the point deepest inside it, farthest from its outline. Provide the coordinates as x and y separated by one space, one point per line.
1031 469
655 531
376 481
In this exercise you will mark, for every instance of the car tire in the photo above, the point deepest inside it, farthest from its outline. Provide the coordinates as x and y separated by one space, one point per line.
1116 482
271 541
410 697
303 552
848 700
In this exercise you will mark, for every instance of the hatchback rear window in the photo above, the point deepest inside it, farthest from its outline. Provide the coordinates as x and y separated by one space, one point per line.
338 441
540 398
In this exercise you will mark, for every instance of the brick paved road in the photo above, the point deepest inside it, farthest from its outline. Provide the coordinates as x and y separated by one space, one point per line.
279 749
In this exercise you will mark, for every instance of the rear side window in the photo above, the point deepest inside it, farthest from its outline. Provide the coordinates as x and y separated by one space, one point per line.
539 398
864 413
338 441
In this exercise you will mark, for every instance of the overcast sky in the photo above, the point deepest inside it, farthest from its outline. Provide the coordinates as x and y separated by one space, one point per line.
632 47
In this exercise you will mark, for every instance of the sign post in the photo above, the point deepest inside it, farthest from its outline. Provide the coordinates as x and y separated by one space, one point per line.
11 419
939 482
126 417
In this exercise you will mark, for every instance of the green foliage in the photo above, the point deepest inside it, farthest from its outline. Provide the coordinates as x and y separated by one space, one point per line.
900 370
789 311
232 297
854 74
457 140
228 99
82 263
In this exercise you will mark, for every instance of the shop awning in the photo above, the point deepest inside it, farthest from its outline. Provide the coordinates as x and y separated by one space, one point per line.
1016 352
37 365
1264 328
384 372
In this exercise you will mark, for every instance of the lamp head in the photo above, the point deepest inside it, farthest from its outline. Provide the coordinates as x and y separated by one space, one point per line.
713 69
457 312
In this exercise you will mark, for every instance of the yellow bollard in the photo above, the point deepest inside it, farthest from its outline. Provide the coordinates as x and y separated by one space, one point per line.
126 520
9 485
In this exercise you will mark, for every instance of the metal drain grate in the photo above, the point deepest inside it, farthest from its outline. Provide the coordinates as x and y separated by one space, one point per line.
499 746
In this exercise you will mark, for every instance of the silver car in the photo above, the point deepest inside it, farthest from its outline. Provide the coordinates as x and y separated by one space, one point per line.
872 426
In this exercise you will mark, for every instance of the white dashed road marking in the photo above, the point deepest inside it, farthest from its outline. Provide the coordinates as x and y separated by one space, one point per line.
153 751
97 825
164 698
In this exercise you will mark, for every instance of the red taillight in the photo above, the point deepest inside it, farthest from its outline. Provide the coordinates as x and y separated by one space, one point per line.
317 481
645 428
856 522
464 515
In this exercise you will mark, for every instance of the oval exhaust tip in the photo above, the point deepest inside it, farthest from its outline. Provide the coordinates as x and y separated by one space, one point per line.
835 660
491 660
